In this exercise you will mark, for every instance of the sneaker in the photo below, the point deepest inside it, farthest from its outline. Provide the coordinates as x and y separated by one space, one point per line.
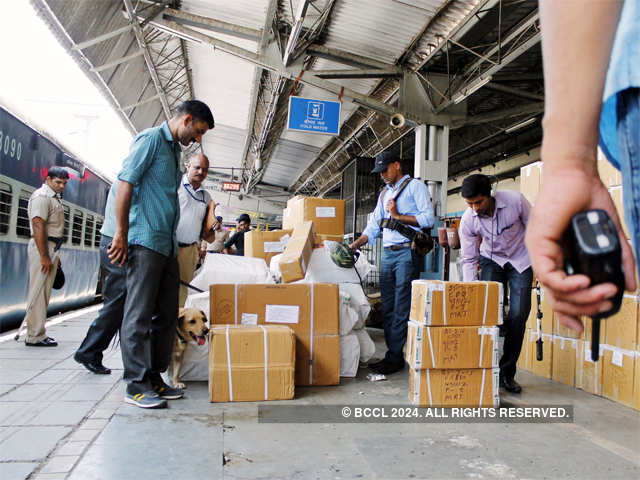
148 399
164 390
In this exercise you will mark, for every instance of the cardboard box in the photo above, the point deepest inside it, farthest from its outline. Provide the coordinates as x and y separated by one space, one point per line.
617 374
434 302
451 347
530 179
636 383
588 325
542 368
560 330
327 214
609 175
524 360
311 310
621 329
266 244
319 239
251 364
547 314
476 387
616 196
296 256
588 372
565 354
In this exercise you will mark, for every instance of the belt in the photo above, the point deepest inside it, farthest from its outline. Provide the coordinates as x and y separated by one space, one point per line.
399 246
182 245
54 239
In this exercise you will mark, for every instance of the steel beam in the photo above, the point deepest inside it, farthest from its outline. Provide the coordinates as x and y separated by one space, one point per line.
207 23
360 73
101 38
120 60
346 58
147 58
295 31
514 91
527 109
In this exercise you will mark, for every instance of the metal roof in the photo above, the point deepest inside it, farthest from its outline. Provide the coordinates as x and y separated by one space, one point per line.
149 55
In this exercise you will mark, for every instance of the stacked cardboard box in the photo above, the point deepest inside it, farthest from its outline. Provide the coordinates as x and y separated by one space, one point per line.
326 214
248 363
266 245
310 310
296 256
452 343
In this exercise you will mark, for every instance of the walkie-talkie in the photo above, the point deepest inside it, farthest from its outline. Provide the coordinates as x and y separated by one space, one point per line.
593 249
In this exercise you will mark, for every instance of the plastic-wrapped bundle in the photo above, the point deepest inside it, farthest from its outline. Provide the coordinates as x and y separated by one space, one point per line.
349 355
220 268
367 346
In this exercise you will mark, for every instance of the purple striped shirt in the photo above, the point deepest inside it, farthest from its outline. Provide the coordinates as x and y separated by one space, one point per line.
502 235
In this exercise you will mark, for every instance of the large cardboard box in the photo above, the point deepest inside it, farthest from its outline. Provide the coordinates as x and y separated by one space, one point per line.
451 347
588 372
477 387
609 175
636 384
565 355
311 310
542 368
545 308
296 256
530 179
327 214
588 326
560 330
621 329
524 360
617 374
617 197
266 245
250 364
435 302
319 239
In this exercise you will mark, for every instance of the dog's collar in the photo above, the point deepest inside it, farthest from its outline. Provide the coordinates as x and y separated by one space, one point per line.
182 340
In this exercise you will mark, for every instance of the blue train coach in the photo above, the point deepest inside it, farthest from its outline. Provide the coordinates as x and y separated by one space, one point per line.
25 156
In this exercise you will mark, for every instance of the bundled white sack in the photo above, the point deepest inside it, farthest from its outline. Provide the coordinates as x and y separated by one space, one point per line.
274 268
195 364
322 269
348 315
367 345
199 301
219 268
349 355
358 301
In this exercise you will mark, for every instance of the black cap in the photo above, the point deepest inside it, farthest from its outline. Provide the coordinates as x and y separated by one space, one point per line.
383 160
219 218
244 218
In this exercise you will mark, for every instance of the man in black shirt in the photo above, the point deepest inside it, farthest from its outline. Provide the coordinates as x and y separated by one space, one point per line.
237 239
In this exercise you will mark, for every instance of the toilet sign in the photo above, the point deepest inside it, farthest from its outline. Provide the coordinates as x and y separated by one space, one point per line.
313 116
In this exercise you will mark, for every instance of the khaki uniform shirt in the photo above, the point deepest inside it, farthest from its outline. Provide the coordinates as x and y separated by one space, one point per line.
46 204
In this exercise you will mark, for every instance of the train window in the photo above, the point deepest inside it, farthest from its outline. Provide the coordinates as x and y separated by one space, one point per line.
88 231
22 225
5 207
67 219
76 232
96 242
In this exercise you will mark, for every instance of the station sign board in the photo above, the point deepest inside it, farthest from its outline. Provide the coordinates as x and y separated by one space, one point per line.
231 186
314 116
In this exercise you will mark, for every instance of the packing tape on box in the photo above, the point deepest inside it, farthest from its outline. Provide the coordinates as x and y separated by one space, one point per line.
311 314
493 333
618 353
496 386
484 372
229 365
266 363
484 313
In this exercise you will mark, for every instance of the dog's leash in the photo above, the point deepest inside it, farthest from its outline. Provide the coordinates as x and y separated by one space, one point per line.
188 285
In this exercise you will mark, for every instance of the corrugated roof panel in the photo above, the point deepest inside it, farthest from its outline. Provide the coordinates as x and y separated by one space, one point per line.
223 146
381 30
248 13
288 160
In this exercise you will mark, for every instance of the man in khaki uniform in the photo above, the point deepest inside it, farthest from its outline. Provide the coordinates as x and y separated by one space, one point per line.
194 203
46 217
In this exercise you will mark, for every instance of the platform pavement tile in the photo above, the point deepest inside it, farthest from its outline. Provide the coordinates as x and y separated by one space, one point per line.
27 393
72 448
5 387
62 413
60 464
31 443
18 376
86 392
16 470
26 363
9 410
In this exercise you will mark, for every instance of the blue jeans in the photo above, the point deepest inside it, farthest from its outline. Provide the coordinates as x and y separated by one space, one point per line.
150 313
399 268
109 320
629 152
519 285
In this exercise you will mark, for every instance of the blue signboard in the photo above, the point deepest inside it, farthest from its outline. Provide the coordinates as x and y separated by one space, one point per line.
313 116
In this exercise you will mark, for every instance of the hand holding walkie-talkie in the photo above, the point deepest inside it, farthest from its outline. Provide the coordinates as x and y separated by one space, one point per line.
593 249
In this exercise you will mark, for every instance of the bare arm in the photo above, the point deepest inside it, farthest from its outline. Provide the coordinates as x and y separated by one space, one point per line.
577 37
358 242
118 250
40 237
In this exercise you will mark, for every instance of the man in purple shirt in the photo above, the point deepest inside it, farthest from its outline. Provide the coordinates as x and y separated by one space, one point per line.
500 220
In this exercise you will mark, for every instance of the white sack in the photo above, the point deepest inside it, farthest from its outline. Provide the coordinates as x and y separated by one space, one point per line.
349 355
195 366
199 301
220 268
358 300
367 345
348 315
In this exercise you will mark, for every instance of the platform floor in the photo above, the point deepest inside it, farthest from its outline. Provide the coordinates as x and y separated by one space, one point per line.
58 421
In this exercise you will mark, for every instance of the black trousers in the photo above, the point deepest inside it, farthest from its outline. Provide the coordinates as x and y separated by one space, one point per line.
519 307
109 319
150 313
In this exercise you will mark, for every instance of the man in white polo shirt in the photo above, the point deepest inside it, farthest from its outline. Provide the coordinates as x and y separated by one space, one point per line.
194 201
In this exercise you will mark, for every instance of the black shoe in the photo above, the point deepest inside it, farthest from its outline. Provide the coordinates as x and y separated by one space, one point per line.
164 390
387 368
94 366
45 342
510 385
376 364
